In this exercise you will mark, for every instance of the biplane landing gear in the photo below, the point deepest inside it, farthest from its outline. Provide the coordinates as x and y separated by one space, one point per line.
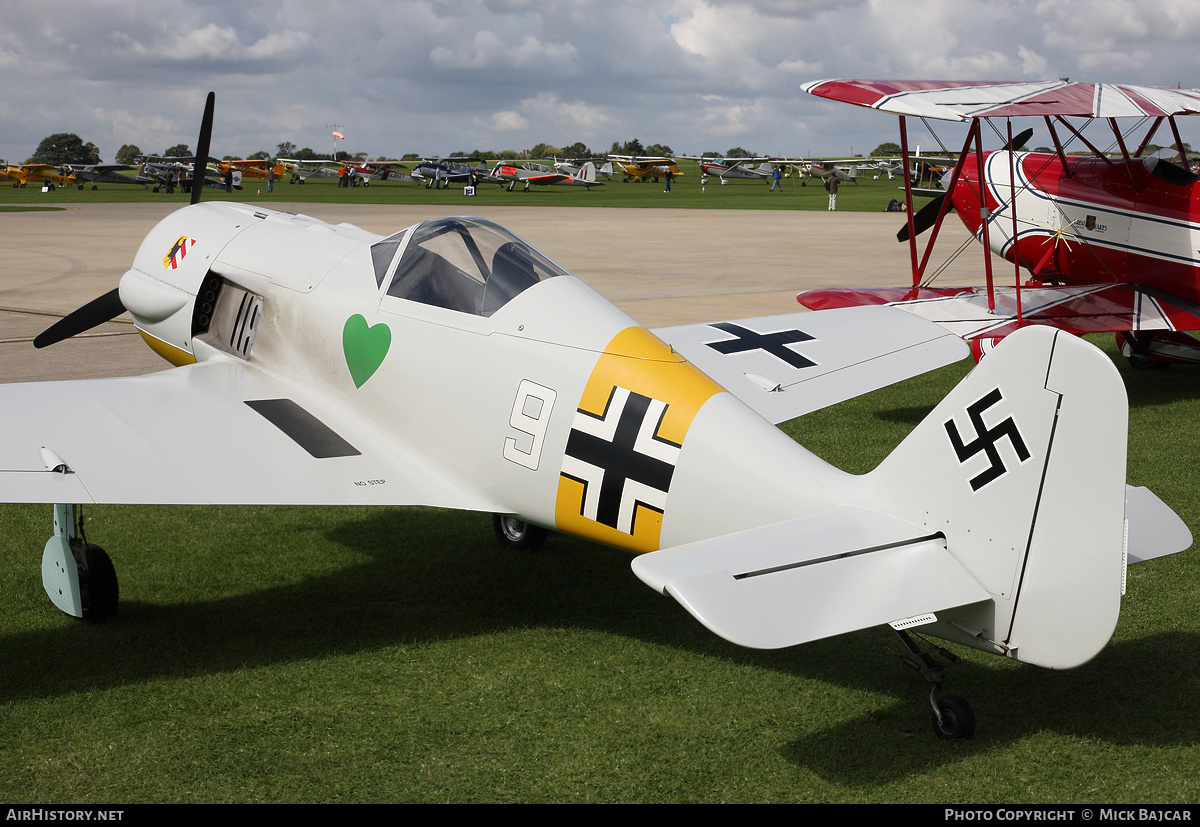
953 718
515 533
78 576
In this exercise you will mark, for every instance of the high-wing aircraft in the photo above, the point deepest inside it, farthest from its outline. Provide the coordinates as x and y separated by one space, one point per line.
96 174
22 174
1110 239
453 364
639 167
533 173
250 167
736 168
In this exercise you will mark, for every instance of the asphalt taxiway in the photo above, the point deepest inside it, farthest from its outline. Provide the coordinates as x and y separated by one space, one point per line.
661 266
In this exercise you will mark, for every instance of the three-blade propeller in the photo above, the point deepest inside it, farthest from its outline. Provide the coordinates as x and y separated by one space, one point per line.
109 306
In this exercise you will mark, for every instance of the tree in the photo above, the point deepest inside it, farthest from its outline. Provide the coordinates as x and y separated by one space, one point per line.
65 148
128 154
738 152
285 150
659 149
178 149
884 150
577 150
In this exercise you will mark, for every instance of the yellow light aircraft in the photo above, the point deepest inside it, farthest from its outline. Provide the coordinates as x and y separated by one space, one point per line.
22 174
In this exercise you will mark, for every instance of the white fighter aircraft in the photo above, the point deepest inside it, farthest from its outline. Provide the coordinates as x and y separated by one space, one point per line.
452 364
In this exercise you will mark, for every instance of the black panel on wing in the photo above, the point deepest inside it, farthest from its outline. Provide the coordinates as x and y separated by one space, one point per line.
306 430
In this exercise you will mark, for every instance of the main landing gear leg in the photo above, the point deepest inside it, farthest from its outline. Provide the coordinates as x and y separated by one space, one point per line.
953 718
78 576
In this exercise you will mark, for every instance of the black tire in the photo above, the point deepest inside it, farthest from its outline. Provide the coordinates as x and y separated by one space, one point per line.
518 534
100 585
958 719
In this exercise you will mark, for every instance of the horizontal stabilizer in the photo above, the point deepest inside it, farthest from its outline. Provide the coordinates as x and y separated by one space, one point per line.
810 578
1154 529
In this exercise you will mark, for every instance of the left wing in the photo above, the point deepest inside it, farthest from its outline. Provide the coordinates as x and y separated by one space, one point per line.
204 433
786 366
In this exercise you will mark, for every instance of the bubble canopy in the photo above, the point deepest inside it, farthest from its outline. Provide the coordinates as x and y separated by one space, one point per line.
470 265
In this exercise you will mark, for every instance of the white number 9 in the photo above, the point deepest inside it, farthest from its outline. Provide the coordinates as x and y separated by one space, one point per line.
530 417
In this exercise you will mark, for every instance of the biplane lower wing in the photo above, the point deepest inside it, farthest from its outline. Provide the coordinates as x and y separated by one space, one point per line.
1078 309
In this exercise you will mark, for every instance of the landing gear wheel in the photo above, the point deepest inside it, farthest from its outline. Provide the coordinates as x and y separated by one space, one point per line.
957 721
514 533
98 585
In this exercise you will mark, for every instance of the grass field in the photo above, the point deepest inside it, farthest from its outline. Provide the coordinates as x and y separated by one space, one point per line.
399 655
348 655
686 191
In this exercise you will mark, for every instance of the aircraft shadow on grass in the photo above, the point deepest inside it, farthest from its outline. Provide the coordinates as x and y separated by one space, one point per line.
462 586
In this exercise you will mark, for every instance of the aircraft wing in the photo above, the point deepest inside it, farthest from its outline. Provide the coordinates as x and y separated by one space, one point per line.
1078 309
856 568
205 433
963 100
786 366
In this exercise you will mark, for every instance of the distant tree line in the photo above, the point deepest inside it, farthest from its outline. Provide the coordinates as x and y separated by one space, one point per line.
69 148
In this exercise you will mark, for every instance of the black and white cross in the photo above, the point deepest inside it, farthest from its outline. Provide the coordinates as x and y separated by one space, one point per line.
773 343
620 459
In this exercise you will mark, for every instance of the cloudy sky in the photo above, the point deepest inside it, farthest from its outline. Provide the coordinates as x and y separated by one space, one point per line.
434 77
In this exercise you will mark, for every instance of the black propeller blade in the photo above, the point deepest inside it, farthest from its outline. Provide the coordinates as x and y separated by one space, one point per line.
200 165
924 218
1019 140
96 312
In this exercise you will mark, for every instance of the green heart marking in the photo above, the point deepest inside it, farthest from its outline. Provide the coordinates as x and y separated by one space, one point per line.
365 347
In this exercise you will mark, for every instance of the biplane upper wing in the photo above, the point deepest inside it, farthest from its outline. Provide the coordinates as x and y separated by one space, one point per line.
964 100
206 433
787 366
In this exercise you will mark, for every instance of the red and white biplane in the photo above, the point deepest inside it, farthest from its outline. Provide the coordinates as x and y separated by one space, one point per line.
1110 239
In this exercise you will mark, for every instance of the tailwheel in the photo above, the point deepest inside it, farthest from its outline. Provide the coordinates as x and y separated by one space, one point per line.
953 718
515 533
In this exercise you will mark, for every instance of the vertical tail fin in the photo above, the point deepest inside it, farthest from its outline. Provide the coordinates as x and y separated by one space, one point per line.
1022 468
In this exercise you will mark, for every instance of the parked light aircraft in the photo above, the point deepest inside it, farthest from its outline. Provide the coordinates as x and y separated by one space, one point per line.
639 167
96 174
453 364
572 168
1111 242
533 173
22 174
737 168
249 167
439 174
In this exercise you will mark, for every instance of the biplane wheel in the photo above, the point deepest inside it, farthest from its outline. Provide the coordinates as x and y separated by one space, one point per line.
518 534
1138 362
100 584
957 719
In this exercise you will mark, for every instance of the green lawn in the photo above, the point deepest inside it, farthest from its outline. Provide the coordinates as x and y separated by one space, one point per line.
397 654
